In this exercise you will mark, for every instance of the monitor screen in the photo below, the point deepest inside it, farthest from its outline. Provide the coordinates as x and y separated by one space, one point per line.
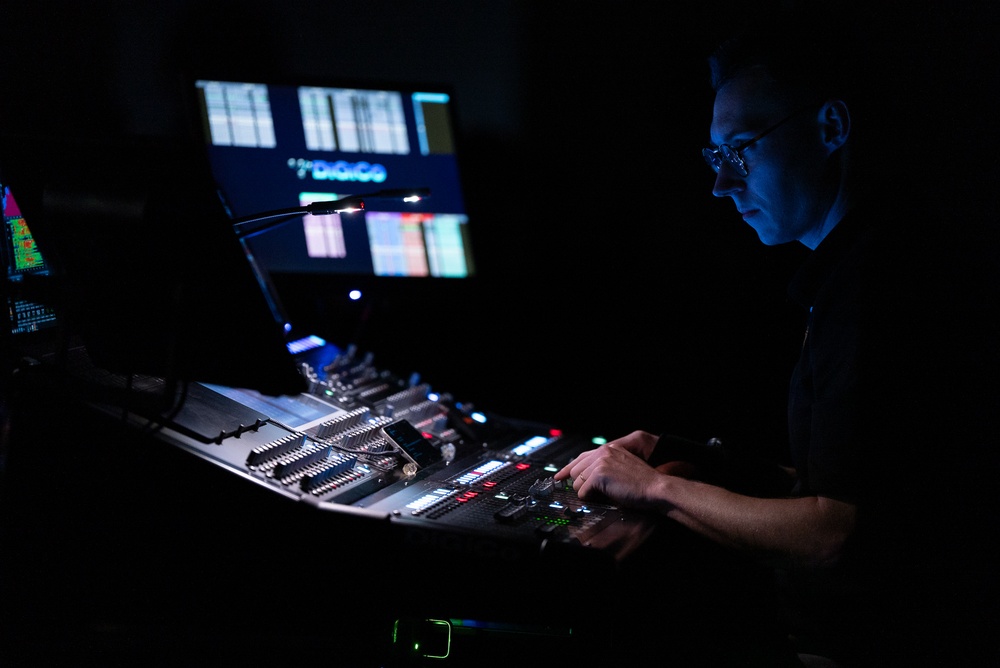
145 267
274 146
24 262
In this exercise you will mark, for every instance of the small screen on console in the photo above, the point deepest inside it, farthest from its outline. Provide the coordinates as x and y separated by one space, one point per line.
22 260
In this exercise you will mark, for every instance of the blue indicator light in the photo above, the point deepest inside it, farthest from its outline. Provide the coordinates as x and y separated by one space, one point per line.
439 98
530 445
307 343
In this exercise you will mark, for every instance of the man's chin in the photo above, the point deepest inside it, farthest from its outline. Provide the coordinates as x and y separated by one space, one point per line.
768 238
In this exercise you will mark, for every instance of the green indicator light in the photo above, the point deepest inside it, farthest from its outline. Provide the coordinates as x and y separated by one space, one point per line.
598 440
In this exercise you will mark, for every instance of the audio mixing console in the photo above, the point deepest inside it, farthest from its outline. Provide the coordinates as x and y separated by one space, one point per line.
368 501
336 447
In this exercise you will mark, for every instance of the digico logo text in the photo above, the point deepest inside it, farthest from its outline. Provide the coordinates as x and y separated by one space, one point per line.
341 170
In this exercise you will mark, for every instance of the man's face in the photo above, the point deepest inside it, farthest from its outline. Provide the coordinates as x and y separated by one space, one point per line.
784 196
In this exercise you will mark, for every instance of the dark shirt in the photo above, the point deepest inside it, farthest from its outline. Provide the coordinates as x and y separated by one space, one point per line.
893 407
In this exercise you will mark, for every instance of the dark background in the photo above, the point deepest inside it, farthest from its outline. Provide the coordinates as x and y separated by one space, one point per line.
614 292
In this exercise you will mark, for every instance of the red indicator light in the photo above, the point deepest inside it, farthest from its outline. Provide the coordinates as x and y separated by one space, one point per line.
555 432
522 466
489 484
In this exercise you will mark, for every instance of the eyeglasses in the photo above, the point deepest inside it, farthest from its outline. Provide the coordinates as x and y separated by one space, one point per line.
733 155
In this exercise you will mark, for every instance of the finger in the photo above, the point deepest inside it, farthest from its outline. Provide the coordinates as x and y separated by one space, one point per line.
566 471
579 462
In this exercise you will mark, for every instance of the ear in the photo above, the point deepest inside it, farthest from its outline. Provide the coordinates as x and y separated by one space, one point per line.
834 124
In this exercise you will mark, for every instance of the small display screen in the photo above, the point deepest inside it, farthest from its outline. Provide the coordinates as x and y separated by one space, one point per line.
408 439
22 259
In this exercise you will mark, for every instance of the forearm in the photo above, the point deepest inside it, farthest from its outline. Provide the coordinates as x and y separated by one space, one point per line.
809 530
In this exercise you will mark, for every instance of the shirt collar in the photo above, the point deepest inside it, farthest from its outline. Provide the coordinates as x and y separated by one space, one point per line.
813 272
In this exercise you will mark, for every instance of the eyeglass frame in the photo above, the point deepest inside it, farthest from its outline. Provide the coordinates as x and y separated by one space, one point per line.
732 155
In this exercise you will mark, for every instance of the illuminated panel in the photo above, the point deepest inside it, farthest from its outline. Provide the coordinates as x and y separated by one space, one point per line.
476 474
397 244
310 342
530 445
429 499
324 234
317 119
417 244
346 139
359 121
22 256
239 114
446 245
26 255
434 130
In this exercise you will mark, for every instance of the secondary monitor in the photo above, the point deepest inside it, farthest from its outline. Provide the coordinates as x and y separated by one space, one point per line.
24 263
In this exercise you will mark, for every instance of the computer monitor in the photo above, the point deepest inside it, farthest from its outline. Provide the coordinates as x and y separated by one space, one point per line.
353 278
277 145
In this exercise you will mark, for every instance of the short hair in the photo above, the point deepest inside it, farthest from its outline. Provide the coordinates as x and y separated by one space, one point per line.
804 55
810 58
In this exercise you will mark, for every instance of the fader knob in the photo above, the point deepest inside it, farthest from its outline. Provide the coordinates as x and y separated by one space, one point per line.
542 488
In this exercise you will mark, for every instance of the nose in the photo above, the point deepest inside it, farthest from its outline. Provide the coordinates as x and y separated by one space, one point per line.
727 182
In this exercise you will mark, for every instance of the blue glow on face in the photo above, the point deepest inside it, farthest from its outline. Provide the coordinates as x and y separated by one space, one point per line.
785 196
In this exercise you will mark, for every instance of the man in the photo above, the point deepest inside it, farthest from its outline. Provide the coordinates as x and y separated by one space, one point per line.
880 530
